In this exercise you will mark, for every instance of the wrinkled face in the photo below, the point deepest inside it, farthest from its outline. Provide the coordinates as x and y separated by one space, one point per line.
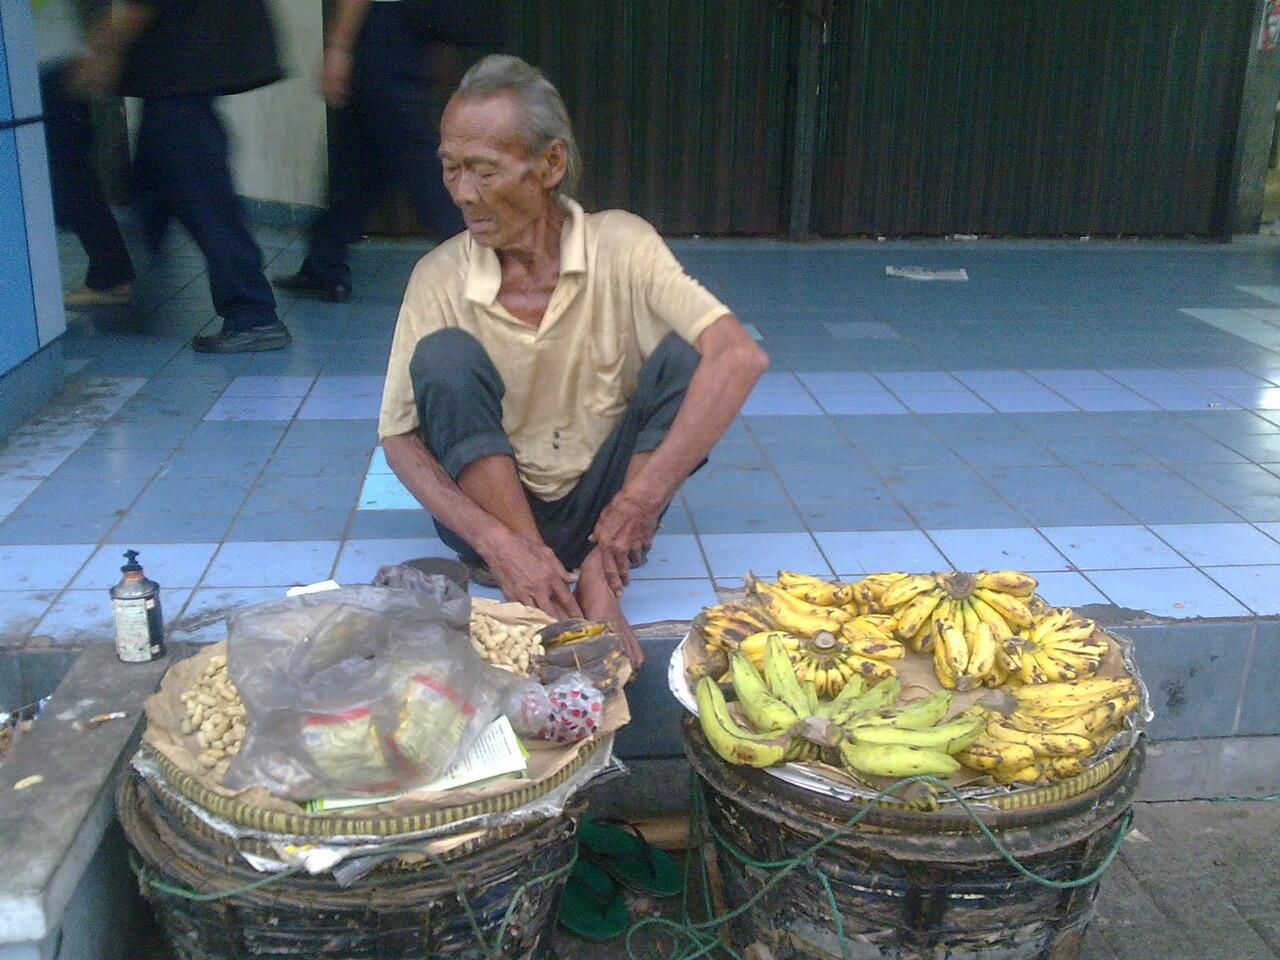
499 187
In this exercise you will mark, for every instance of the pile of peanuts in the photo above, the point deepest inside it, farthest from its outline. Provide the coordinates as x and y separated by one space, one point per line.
509 646
214 714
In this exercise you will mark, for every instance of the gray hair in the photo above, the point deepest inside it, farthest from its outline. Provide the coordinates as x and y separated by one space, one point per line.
544 113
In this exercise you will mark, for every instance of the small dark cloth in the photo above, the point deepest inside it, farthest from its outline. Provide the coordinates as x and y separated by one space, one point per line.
459 397
202 48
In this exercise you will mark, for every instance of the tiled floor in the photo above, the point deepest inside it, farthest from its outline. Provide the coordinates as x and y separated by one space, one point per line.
1105 415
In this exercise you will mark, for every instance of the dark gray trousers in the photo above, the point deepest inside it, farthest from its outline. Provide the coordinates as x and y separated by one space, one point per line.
458 392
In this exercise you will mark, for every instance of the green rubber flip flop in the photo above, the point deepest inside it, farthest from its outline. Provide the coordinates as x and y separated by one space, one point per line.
628 857
592 906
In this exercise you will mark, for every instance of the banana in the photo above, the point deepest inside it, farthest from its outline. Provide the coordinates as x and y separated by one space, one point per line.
802 749
1060 768
780 678
916 716
1089 723
754 645
896 760
948 737
1082 691
951 649
1044 744
883 648
726 737
915 614
814 590
990 755
1009 654
907 589
841 711
1014 582
1032 773
795 616
968 621
854 687
1015 611
982 650
811 695
762 709
990 616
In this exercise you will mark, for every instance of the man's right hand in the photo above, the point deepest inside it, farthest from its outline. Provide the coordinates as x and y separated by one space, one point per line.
335 76
530 573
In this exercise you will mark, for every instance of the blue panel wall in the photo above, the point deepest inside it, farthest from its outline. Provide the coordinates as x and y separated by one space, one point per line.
18 334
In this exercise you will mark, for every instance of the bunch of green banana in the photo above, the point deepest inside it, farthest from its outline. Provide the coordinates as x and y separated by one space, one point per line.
904 741
733 742
1053 731
1058 647
1002 599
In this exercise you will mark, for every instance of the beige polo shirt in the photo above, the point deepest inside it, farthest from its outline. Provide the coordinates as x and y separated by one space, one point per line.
621 290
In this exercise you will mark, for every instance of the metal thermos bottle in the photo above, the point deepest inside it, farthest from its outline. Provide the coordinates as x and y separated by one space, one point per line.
135 607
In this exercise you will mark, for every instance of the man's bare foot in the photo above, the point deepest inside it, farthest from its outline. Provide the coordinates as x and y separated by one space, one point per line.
599 603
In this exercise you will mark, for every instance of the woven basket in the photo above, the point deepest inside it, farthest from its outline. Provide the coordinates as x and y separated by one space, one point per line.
908 883
495 903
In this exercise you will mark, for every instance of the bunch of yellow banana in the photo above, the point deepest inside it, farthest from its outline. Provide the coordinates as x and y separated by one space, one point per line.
829 661
1001 599
868 593
1058 647
789 608
1054 731
725 625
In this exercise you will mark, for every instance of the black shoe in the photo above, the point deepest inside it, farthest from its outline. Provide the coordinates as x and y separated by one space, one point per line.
273 336
304 285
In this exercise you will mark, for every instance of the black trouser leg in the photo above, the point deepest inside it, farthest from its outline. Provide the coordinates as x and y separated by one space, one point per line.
459 396
182 147
78 203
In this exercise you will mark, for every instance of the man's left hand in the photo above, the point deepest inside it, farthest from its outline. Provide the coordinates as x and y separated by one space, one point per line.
623 533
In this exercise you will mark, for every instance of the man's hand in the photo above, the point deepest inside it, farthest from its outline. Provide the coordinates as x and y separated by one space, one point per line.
530 573
623 533
335 76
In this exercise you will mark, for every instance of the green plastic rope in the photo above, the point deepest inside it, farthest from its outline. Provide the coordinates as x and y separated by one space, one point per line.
693 939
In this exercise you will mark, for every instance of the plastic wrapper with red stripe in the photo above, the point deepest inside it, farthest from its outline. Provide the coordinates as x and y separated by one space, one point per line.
576 708
358 691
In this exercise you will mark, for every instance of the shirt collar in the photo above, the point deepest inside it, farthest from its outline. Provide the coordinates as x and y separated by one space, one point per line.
484 272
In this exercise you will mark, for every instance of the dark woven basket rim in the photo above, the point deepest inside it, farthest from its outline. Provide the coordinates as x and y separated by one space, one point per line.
182 817
1018 808
301 824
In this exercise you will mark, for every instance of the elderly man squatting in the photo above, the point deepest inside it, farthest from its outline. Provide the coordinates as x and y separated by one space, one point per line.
555 375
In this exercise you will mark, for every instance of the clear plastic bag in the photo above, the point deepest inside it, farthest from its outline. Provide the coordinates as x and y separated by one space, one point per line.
528 708
357 691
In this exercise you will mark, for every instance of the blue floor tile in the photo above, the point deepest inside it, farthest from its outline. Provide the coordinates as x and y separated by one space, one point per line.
217 435
1019 484
1220 544
780 405
193 463
336 435
1257 587
286 525
300 494
1068 589
999 549
960 516
673 557
747 517
340 408
732 554
1177 592
111 463
56 497
170 528
1177 509
253 408
168 564
204 618
860 403
249 386
42 567
916 381
652 601
360 560
1057 513
1106 399
853 554
348 386
271 564
36 528
396 524
820 382
217 495
942 401
1112 547
864 514
20 611
384 491
1025 401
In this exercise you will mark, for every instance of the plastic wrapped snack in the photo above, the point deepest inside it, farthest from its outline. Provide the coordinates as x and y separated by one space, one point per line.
357 690
576 708
528 708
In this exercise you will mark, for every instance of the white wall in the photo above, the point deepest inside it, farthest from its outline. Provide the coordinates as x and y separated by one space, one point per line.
278 133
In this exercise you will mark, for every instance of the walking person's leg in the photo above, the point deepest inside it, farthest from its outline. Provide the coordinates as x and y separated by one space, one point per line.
78 203
187 159
408 132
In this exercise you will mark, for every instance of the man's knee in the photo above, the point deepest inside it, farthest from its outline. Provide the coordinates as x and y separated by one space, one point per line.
673 361
451 361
